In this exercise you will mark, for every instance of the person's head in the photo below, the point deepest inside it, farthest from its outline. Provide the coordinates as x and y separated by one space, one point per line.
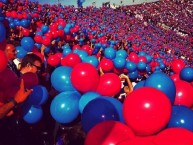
30 63
10 51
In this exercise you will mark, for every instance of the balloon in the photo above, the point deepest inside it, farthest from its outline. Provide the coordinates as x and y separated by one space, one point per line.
138 141
131 66
3 44
186 74
4 60
83 54
174 136
38 96
92 60
53 60
175 77
32 114
86 98
108 133
121 53
142 59
177 65
71 60
44 29
38 38
60 79
30 80
141 66
20 52
93 114
119 62
2 32
106 64
118 106
139 85
133 75
184 93
182 116
110 53
109 84
66 51
163 83
27 43
85 77
133 57
46 41
146 111
64 107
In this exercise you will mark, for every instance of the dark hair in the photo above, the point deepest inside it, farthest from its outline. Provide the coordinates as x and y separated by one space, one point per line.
30 59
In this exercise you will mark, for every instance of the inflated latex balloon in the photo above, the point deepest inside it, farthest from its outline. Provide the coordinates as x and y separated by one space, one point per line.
85 77
30 80
60 79
177 65
53 60
133 57
4 60
119 62
32 114
175 77
71 60
106 64
27 43
20 52
2 32
182 116
184 93
174 136
3 44
146 111
162 82
138 141
86 98
131 66
109 84
110 53
108 133
186 74
93 114
121 53
139 85
64 107
92 60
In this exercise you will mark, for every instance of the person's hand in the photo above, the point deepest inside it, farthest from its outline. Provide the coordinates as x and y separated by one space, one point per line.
22 94
123 76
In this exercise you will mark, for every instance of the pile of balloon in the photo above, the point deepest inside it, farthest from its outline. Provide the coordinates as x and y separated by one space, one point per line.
158 111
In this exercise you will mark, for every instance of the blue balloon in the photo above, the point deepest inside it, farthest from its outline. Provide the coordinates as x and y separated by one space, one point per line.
96 111
141 53
32 114
66 47
27 43
44 29
139 85
64 107
131 66
20 52
67 30
110 53
119 62
186 74
86 98
149 58
121 53
182 116
2 32
24 23
12 25
141 66
66 51
118 106
38 45
133 75
82 53
92 60
47 50
60 79
162 82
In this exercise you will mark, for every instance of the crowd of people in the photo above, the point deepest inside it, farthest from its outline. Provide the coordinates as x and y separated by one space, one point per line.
161 29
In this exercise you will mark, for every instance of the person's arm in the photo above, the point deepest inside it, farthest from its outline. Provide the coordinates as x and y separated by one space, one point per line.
20 97
128 89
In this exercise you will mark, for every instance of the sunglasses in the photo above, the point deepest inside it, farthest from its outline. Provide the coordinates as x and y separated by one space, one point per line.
37 67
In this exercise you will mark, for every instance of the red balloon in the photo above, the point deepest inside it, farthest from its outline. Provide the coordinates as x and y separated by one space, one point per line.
30 80
85 77
3 44
133 57
106 65
76 47
175 77
53 60
138 141
174 136
184 93
71 60
87 49
38 39
146 110
25 32
46 41
142 59
177 65
109 84
108 133
3 62
8 79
